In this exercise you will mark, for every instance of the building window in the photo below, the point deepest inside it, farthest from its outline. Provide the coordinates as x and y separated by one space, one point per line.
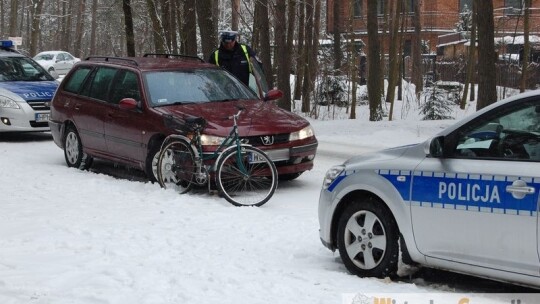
513 7
357 8
465 5
380 7
409 8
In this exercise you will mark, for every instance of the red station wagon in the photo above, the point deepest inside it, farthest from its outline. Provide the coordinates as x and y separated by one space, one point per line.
113 108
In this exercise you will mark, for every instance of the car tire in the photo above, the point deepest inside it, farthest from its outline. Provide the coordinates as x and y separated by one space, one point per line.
151 163
73 150
289 177
368 239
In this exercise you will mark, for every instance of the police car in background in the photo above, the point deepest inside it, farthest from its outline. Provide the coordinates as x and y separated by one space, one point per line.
26 90
466 200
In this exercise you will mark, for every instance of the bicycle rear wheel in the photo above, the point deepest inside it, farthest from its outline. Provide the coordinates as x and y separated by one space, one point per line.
248 178
176 166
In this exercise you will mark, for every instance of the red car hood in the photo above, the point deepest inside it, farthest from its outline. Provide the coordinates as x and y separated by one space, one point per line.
258 118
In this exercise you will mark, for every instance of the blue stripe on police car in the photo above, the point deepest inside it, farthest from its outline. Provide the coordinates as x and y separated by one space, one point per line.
33 90
461 191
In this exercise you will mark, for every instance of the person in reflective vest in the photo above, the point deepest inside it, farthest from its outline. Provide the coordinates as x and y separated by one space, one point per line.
233 56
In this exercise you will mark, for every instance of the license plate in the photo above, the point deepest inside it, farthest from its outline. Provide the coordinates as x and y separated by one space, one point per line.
255 158
40 117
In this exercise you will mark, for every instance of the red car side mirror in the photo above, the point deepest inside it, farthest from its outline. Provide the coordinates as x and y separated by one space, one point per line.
273 95
128 104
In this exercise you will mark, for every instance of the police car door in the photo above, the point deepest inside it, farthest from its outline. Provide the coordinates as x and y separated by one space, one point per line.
478 204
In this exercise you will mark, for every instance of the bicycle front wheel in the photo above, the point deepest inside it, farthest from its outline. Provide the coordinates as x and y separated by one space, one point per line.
176 166
246 178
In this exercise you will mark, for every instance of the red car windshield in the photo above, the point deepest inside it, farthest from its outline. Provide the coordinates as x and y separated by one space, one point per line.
194 86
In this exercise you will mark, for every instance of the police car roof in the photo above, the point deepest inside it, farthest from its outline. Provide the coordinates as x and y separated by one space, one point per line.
6 52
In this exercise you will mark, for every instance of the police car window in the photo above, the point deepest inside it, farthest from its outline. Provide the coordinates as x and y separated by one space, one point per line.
21 69
508 136
76 80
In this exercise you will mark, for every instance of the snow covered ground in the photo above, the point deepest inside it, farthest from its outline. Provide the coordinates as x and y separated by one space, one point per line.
70 236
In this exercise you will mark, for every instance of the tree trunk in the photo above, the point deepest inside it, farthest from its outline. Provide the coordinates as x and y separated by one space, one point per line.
235 13
93 29
21 20
159 42
353 71
526 46
471 62
207 24
374 62
128 22
2 18
338 55
487 90
300 59
67 10
166 23
13 18
307 84
393 56
282 56
417 75
261 39
36 8
79 29
314 63
189 28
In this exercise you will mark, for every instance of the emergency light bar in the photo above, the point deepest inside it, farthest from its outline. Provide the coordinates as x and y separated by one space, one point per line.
6 44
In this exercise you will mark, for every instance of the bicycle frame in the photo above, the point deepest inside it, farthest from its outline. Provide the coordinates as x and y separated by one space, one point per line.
230 142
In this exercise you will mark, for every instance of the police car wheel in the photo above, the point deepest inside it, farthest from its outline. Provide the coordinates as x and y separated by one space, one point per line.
73 152
368 239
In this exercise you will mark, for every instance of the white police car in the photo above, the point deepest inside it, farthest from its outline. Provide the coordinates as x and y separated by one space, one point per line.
26 90
466 200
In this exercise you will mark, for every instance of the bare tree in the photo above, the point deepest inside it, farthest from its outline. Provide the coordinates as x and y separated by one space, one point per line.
2 18
261 38
207 25
282 56
13 18
338 56
128 22
35 9
393 56
526 46
470 62
169 29
374 62
93 28
487 90
159 41
79 29
188 31
235 12
300 59
308 45
417 77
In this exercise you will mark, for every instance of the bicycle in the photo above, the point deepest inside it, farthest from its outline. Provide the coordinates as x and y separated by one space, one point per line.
243 174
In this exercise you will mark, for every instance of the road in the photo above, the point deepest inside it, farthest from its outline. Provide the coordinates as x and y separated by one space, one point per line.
26 161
